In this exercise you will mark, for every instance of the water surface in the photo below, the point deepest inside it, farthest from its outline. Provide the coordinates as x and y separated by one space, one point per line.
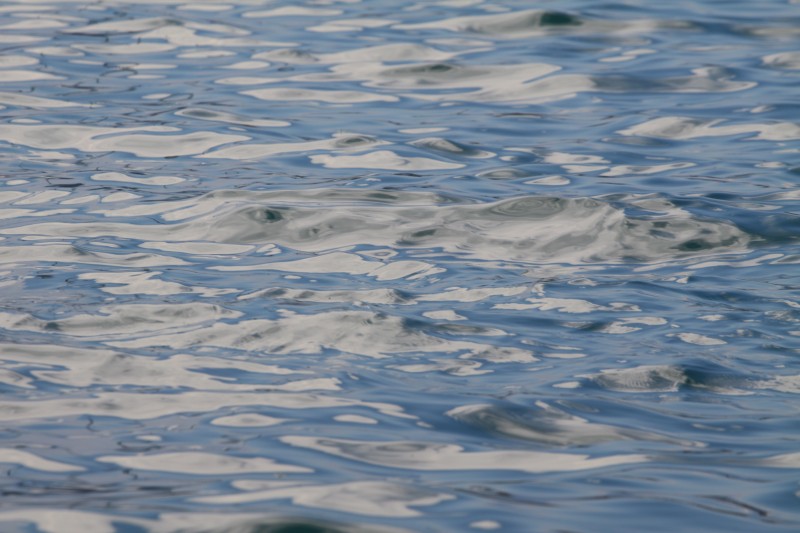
399 266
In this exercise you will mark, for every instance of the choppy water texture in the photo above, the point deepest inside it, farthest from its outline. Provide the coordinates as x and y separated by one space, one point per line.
399 266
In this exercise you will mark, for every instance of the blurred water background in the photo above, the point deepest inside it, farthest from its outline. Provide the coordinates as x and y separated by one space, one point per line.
345 265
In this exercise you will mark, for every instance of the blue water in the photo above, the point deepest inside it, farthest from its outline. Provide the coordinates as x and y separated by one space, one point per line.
399 266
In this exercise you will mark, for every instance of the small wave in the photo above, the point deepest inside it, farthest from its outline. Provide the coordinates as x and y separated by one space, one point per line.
451 148
527 229
684 128
672 378
548 425
515 23
537 23
436 456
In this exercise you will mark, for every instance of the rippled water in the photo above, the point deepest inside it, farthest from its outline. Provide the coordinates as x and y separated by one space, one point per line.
397 266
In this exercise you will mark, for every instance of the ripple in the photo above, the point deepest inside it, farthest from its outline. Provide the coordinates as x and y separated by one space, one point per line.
132 406
548 425
122 26
124 319
520 83
82 368
350 25
122 178
329 96
530 229
198 463
98 139
124 49
370 335
383 160
11 76
683 128
445 146
498 79
787 60
293 11
433 456
527 22
341 141
396 52
63 253
536 23
30 460
13 61
230 118
53 520
367 498
672 378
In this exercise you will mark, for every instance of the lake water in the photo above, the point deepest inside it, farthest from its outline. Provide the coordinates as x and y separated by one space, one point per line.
399 266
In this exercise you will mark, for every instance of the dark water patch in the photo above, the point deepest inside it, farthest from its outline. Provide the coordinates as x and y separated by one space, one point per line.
298 526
